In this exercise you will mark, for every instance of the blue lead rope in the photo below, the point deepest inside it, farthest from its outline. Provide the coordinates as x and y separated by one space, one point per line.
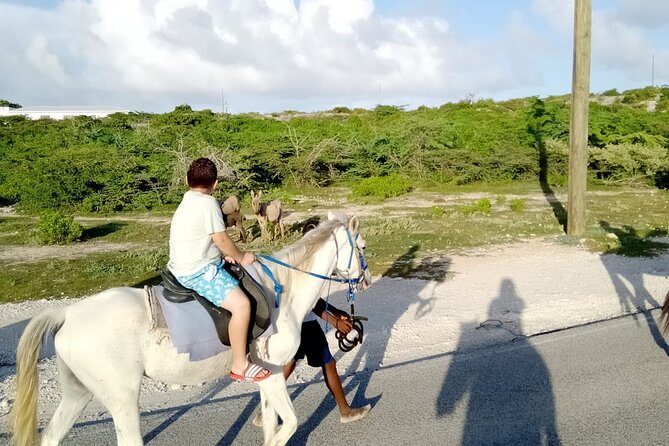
278 288
286 265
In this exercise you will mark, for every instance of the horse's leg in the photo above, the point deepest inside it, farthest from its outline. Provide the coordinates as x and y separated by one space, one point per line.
278 402
116 384
124 409
75 398
269 416
114 374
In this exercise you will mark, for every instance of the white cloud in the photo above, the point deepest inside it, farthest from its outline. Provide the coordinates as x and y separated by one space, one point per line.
44 61
165 52
644 13
558 13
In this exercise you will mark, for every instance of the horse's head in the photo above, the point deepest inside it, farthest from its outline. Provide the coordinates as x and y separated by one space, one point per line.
350 264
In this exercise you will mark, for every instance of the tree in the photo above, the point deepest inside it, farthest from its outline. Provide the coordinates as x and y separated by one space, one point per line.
6 103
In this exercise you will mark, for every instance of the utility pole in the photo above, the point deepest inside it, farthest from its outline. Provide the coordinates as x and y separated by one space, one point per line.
578 126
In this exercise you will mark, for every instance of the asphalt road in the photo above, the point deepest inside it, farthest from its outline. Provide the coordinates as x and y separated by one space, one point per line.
601 384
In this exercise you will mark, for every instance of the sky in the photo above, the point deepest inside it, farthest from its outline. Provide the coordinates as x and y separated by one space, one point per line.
311 55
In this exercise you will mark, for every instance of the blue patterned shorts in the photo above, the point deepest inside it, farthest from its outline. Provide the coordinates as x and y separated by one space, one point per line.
212 282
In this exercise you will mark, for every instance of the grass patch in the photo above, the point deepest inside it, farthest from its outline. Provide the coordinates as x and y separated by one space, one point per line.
382 187
518 204
75 277
480 206
412 239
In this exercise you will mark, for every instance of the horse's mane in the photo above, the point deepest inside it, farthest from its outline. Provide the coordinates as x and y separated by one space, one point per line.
300 254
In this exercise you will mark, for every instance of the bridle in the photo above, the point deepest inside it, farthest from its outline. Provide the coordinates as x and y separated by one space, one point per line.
346 342
338 276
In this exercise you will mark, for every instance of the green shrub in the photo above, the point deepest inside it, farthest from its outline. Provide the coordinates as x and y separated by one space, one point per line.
437 211
56 228
480 206
641 94
517 204
382 187
628 162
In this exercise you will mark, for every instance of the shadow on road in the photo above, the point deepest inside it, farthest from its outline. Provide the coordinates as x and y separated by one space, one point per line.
629 281
369 356
509 396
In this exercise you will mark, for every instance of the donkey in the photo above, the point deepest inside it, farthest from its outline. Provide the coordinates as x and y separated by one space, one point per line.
232 215
272 212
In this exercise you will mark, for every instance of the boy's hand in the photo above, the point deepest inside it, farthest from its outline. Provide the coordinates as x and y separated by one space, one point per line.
229 259
248 258
344 324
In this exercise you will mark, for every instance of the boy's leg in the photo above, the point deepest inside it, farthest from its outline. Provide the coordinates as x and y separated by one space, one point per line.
238 304
332 380
315 346
289 368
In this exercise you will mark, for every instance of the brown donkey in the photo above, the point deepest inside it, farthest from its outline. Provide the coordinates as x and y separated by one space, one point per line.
268 212
232 215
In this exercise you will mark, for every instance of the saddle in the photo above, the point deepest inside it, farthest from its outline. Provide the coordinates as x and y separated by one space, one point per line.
261 309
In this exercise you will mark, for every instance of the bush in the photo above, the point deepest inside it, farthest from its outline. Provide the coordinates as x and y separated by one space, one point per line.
56 228
437 211
382 187
611 92
628 162
481 206
517 204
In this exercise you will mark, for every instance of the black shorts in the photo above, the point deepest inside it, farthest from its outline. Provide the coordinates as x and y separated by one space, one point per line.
314 345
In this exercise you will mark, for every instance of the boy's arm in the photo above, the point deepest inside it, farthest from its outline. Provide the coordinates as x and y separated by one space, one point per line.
229 249
333 316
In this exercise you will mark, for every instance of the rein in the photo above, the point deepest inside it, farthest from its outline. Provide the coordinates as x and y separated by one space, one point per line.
346 341
351 282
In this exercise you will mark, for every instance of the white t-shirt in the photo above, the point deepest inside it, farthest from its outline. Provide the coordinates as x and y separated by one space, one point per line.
195 220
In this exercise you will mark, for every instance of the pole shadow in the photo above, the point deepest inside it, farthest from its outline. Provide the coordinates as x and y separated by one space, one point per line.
539 118
635 298
509 395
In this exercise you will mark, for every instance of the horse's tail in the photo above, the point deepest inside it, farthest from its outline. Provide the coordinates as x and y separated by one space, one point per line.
24 411
664 317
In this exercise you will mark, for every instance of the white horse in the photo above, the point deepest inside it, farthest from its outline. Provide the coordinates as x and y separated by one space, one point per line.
104 344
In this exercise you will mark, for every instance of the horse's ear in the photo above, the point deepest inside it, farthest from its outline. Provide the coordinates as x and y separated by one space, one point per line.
332 216
253 194
354 224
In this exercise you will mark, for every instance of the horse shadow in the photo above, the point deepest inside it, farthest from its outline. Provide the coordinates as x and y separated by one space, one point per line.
10 336
634 298
369 356
518 381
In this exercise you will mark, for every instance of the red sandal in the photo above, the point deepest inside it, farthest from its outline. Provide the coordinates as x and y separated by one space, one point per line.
252 373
